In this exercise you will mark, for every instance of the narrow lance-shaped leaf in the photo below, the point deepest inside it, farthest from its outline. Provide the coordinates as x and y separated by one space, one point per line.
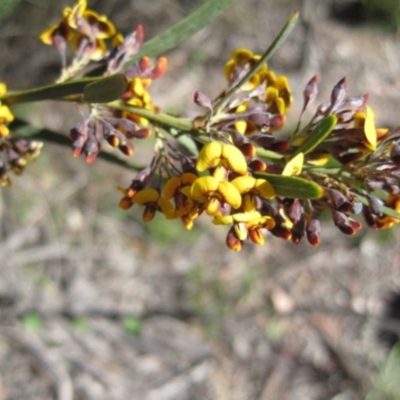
184 29
48 92
292 186
105 90
321 130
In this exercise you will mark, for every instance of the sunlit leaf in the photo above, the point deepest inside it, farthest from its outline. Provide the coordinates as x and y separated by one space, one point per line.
321 130
293 186
184 29
105 90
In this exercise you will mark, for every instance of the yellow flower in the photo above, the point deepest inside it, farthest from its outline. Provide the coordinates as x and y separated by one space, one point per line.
152 202
255 227
249 184
136 95
241 63
372 134
57 34
247 225
229 156
85 29
187 208
88 22
239 221
6 116
214 194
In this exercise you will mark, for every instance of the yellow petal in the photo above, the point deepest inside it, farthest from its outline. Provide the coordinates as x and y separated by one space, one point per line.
223 220
280 105
319 159
271 94
264 189
3 89
171 186
294 166
230 194
213 206
188 178
246 216
244 183
369 129
5 114
249 202
266 222
209 157
282 83
166 207
228 68
204 186
240 230
146 196
241 126
241 55
233 159
359 119
105 28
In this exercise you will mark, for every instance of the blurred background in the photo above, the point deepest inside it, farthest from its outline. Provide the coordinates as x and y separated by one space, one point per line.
96 305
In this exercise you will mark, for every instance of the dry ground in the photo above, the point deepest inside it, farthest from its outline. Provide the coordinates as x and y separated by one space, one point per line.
94 305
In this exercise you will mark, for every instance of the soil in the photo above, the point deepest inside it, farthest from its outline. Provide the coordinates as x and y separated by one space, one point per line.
96 305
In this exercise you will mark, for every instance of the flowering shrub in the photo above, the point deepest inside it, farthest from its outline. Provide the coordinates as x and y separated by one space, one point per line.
237 162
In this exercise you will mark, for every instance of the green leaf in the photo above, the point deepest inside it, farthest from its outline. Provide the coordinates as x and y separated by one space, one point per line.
48 92
105 90
292 186
321 130
185 28
132 325
6 6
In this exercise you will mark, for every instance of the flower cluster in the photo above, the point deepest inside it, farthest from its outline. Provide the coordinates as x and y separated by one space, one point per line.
94 38
239 176
15 153
238 162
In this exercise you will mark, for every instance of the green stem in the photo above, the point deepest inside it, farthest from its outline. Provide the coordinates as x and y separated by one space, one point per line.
282 36
164 120
49 92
